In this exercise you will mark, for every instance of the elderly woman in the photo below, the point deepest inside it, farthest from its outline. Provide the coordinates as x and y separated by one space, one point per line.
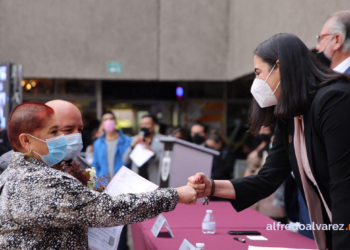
44 208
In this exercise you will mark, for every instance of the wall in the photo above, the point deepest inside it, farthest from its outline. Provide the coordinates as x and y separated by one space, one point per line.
154 39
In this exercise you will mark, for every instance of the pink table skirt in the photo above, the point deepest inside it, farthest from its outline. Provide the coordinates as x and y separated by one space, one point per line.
186 222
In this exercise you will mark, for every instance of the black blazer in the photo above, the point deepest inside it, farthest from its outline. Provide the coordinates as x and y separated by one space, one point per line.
327 136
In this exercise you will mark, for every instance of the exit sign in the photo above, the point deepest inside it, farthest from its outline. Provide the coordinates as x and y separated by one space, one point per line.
114 67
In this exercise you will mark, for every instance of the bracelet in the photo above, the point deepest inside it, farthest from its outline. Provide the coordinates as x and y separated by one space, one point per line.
208 198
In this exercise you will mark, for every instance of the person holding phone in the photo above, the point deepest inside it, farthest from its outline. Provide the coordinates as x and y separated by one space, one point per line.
310 104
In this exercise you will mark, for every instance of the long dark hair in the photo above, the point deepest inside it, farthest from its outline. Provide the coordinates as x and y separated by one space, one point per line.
301 76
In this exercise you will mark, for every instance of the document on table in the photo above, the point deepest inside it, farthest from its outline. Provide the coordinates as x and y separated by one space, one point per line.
125 181
275 248
140 155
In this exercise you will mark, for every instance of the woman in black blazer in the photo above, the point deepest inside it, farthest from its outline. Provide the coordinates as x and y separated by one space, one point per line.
297 85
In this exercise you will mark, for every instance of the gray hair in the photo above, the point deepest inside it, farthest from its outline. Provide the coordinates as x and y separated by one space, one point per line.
340 23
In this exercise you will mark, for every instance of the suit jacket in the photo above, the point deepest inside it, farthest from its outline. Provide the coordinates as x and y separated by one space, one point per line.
327 137
153 163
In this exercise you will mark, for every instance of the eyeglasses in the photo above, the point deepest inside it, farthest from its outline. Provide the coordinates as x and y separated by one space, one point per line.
320 36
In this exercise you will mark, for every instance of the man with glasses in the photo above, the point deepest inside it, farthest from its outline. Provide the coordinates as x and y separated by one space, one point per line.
334 42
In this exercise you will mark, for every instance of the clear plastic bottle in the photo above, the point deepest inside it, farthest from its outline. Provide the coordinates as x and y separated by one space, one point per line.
200 246
209 224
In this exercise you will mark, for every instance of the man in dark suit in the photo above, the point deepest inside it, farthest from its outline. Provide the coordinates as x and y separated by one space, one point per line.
334 42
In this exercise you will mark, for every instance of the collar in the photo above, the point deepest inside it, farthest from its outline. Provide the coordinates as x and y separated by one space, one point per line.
343 66
18 157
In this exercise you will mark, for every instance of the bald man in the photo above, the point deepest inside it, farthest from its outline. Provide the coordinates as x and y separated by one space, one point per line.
71 125
69 116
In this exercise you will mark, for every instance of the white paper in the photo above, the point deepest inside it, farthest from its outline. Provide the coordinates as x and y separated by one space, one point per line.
256 237
140 155
104 238
158 224
186 245
276 248
125 181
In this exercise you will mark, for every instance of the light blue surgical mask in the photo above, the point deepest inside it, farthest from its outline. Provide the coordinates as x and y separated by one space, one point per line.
57 150
74 146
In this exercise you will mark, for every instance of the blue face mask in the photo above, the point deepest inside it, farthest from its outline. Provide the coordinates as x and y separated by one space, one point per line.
57 150
74 146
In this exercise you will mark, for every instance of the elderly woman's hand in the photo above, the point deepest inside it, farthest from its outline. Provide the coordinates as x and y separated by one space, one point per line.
187 195
201 183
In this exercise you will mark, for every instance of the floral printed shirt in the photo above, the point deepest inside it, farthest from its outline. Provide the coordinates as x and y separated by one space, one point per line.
43 208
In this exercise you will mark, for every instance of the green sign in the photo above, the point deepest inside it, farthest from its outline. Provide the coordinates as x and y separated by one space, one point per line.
114 67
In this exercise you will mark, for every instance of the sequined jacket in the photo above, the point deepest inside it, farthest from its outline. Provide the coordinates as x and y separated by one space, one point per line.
43 208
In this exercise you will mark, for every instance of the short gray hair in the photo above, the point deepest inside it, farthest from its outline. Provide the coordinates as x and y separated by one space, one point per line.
340 23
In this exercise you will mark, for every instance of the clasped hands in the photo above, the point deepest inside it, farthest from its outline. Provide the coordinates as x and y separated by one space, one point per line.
198 186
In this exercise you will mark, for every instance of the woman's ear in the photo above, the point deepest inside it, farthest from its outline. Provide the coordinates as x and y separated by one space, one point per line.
25 141
278 67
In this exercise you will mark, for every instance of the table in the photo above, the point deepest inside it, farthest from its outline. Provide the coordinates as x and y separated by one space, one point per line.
186 222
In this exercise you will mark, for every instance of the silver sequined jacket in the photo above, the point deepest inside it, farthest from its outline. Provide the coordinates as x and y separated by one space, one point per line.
43 208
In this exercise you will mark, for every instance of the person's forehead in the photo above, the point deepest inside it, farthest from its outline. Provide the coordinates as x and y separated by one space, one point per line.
146 120
72 119
107 116
210 141
197 128
325 28
259 63
50 122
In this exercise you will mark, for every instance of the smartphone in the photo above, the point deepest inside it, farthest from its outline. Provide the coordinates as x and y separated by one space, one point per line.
244 233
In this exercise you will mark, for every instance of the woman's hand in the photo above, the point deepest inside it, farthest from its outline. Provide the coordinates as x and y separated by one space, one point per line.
187 195
201 183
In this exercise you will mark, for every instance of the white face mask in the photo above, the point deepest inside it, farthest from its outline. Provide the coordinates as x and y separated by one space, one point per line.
262 92
74 146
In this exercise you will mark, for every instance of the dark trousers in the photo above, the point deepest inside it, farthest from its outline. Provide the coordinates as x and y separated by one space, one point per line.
123 242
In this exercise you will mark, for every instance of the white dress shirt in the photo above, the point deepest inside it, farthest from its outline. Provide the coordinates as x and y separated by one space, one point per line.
343 66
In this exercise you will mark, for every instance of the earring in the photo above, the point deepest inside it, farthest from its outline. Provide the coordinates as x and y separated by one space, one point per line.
28 156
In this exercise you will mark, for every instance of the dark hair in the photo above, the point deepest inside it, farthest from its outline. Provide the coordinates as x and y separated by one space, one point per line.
301 75
27 117
154 118
202 124
109 112
216 137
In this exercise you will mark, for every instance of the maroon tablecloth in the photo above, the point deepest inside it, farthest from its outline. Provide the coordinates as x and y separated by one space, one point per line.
186 222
